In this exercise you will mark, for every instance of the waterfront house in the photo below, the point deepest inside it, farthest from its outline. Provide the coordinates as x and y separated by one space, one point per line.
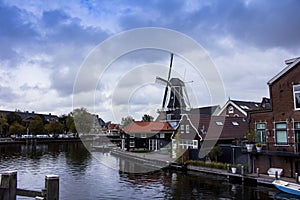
146 136
277 122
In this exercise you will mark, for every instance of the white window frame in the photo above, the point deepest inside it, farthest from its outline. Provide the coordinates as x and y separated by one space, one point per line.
261 130
182 128
131 143
282 130
296 95
230 110
187 128
162 135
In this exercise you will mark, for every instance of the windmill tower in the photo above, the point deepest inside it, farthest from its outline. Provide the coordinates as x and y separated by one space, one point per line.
178 98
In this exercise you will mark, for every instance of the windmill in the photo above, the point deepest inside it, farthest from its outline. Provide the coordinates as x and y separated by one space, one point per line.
178 98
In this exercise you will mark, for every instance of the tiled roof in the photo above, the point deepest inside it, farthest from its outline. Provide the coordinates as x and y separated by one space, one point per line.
247 105
230 127
147 127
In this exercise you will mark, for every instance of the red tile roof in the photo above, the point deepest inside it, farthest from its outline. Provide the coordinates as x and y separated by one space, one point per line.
147 127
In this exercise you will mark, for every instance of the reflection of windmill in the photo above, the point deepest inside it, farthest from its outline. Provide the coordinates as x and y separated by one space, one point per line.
178 98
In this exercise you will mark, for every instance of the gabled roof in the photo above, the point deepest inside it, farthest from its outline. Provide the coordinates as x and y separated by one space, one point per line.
227 127
290 64
242 106
147 127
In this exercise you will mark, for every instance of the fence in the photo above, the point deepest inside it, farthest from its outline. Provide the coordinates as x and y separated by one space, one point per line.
9 190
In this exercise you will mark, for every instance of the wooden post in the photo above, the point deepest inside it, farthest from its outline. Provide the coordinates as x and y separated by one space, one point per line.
276 174
8 181
296 175
257 171
52 187
242 173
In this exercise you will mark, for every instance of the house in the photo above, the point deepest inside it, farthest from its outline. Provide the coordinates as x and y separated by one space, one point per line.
146 136
277 122
186 137
237 108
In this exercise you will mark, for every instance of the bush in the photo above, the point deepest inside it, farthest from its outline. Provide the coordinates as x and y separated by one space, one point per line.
215 165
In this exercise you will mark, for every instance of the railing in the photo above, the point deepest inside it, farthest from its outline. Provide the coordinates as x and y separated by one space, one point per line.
9 190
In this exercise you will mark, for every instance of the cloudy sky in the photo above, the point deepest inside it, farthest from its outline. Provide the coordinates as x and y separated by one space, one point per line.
44 45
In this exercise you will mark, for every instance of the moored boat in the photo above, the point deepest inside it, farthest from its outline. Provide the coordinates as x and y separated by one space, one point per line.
288 187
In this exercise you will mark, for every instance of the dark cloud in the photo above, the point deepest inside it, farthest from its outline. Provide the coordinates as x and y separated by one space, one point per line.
265 23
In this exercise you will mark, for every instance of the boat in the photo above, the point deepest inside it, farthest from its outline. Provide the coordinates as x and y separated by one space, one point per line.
288 187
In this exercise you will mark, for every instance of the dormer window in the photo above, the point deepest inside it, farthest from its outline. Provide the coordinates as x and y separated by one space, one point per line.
230 109
296 90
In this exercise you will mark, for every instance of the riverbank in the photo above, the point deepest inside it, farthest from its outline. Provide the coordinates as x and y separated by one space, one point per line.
163 161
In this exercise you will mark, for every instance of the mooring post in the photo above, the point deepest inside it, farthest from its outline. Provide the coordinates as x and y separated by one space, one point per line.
276 174
228 169
296 175
52 187
8 181
257 171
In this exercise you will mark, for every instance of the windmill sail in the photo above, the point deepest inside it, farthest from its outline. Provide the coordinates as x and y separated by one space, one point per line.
169 75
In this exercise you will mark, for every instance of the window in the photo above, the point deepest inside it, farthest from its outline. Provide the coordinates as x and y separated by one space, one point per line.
261 132
169 116
185 144
219 123
187 128
143 135
162 135
296 89
131 143
181 128
132 135
281 133
230 109
235 123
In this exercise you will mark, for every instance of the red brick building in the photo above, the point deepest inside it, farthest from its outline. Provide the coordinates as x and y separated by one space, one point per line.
278 126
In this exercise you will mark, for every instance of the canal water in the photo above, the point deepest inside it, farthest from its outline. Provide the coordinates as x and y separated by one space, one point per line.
84 175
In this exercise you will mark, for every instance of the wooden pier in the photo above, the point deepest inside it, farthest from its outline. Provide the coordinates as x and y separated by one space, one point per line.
10 191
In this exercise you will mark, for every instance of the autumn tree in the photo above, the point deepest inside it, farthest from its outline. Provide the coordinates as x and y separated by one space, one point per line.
54 127
36 125
16 129
3 124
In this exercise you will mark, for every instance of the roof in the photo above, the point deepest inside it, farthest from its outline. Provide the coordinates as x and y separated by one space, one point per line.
242 106
208 110
147 127
290 64
223 127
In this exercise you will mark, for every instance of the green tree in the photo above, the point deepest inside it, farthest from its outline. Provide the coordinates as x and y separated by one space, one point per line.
126 120
16 129
83 120
3 124
147 118
70 124
36 125
54 127
13 117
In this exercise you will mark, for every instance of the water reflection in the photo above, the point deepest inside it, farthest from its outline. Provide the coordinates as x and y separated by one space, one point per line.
84 176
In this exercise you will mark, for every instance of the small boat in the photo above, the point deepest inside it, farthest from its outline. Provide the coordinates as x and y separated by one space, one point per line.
288 187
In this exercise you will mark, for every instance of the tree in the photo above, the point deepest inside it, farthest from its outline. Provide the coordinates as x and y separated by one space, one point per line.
147 118
13 117
36 125
83 120
3 124
16 129
54 127
126 120
70 124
